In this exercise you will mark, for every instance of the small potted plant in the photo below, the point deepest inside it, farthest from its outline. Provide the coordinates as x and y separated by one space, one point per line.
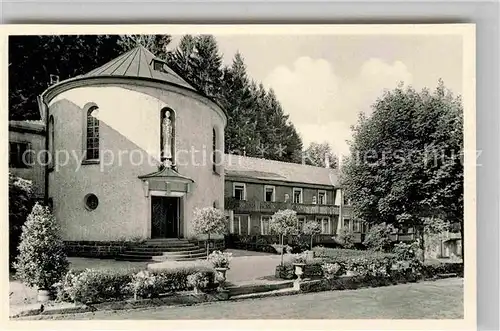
198 281
220 261
299 262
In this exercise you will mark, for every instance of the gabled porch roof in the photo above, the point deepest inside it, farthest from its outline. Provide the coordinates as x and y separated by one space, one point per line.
167 180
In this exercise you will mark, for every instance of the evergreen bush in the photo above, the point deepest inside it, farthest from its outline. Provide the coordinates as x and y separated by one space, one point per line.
42 260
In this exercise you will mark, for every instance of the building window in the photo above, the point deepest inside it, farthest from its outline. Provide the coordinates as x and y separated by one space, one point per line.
20 155
92 137
322 197
91 201
214 149
269 193
239 191
264 225
364 227
356 226
314 201
325 225
347 223
236 225
347 201
287 197
297 195
158 65
167 136
51 141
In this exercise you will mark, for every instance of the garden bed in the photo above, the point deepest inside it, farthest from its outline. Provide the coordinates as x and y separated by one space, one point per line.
91 286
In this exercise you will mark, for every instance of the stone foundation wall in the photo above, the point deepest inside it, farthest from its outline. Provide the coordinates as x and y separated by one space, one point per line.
96 249
215 244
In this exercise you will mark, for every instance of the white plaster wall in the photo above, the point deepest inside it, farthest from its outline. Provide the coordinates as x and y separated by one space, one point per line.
129 131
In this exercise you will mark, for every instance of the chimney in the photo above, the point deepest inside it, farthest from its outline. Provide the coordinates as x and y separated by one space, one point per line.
327 161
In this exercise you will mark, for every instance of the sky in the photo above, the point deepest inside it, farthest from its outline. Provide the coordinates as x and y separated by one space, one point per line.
324 81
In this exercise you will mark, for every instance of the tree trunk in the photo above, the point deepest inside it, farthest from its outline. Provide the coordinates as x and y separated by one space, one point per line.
422 245
208 245
282 249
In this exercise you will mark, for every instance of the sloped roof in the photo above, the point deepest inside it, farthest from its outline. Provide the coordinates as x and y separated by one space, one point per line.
251 167
138 62
32 126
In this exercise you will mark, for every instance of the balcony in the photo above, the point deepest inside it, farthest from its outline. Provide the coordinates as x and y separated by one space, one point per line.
242 206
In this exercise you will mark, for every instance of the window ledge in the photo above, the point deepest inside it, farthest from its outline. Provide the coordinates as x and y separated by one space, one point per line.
84 162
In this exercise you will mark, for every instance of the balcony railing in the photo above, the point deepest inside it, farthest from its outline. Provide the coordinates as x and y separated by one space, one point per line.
272 207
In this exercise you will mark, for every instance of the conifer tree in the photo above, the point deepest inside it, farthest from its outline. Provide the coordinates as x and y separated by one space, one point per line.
42 260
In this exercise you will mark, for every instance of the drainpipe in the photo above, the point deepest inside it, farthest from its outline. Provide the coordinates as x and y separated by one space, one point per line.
44 110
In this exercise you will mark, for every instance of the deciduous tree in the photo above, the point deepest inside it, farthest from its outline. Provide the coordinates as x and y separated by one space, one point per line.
405 163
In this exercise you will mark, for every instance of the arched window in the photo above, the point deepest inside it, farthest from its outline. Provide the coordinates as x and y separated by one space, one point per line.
92 136
214 150
51 140
167 136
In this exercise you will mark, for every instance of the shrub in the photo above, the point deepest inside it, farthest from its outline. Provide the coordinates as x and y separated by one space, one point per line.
282 249
300 257
334 253
41 261
434 269
409 253
346 238
331 270
378 238
198 280
20 203
145 284
94 286
376 266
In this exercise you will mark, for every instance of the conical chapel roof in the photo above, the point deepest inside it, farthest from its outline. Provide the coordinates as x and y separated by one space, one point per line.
139 62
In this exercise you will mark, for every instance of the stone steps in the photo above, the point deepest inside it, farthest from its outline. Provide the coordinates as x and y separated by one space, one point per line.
162 250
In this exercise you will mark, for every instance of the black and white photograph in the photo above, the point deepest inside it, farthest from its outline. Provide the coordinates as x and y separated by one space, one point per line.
241 173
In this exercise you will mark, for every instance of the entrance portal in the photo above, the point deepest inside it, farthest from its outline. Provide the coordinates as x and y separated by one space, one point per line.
164 217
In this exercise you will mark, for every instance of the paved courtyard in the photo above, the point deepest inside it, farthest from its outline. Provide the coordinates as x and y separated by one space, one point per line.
245 266
442 299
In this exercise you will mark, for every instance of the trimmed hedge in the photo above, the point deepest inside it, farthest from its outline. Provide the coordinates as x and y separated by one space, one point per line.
96 286
376 266
355 282
338 253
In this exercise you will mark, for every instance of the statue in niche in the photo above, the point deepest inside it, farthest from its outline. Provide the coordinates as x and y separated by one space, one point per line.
167 139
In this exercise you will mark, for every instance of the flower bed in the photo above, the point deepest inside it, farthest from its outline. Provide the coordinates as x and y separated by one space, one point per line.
371 266
354 282
95 286
338 253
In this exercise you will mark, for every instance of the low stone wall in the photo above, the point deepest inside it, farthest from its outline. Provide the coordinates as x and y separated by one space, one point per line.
287 271
97 249
354 282
215 244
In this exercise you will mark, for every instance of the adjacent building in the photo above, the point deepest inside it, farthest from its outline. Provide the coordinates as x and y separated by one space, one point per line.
256 188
